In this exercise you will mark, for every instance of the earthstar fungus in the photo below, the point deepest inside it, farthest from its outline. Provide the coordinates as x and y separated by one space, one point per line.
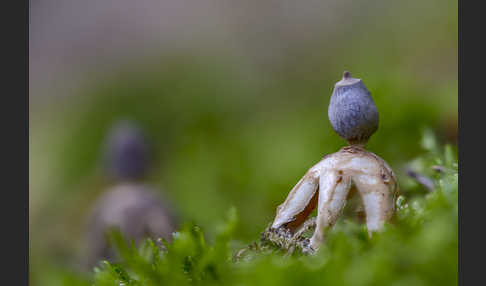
332 181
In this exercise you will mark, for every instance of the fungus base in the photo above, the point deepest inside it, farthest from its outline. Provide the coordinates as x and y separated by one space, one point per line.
326 186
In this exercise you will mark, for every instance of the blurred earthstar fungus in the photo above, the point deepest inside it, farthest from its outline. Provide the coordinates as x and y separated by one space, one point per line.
130 206
338 176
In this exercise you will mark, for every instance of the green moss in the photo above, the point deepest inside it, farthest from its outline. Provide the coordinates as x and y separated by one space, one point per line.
419 246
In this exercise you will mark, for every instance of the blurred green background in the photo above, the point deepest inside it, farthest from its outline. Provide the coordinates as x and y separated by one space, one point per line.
238 121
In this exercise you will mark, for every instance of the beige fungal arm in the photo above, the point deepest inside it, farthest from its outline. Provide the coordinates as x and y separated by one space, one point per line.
377 199
334 188
298 200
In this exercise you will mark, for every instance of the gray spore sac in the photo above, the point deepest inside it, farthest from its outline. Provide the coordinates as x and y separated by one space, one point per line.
352 111
127 154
